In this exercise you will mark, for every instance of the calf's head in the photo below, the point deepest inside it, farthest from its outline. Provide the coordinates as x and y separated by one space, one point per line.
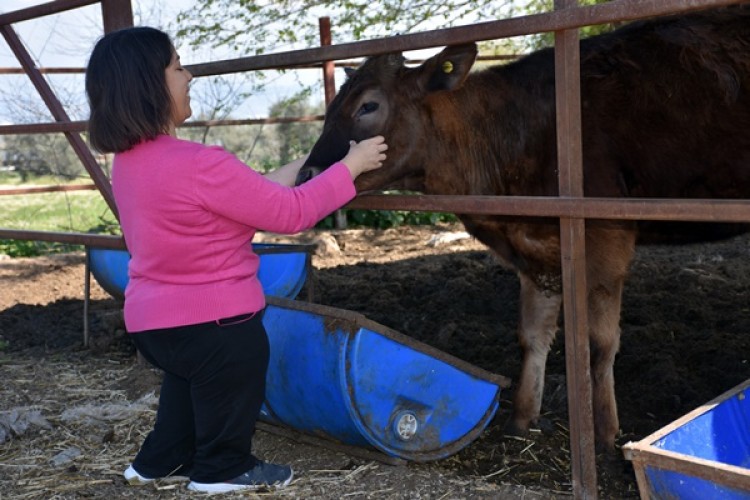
384 97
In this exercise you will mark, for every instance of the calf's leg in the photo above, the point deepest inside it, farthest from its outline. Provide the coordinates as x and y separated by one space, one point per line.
610 249
604 338
537 326
609 253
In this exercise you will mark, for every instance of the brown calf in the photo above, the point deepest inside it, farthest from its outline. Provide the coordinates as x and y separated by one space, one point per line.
666 113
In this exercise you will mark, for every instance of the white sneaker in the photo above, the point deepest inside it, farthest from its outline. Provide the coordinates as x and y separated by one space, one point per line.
135 479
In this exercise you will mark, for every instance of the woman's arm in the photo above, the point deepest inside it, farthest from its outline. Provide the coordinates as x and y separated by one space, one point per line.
224 185
286 174
366 155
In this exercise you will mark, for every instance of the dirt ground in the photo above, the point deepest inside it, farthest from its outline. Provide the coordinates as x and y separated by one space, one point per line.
78 414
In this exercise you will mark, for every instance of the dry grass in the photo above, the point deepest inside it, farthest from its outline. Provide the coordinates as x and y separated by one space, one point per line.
95 421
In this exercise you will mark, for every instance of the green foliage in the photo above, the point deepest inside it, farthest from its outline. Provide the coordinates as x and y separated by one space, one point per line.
35 155
384 219
23 248
294 140
75 211
256 27
542 40
60 211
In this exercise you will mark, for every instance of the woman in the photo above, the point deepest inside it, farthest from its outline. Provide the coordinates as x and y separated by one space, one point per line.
193 303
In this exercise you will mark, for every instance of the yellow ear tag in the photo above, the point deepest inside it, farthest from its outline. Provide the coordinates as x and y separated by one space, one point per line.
447 67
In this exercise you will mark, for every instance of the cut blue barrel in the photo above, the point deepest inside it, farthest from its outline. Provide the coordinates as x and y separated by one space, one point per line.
336 374
283 268
705 454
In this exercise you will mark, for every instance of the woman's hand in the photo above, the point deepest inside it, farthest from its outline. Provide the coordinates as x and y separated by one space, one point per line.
366 155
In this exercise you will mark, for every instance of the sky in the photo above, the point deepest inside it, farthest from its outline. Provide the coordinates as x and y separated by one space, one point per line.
66 40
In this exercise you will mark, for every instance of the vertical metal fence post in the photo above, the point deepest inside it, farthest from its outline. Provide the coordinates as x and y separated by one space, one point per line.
86 297
116 14
329 86
329 80
573 255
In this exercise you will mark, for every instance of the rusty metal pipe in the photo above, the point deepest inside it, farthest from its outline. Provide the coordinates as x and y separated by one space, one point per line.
708 210
93 240
47 189
44 9
80 126
492 30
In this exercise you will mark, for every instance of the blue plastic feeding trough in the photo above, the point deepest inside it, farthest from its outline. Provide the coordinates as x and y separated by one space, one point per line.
703 455
283 268
335 374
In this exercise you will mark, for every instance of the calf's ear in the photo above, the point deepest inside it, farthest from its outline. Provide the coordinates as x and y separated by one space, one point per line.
448 69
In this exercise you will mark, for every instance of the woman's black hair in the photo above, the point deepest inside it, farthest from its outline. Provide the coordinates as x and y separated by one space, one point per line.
127 89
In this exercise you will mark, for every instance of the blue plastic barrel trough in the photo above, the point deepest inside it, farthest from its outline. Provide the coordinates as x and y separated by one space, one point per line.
703 455
336 374
283 268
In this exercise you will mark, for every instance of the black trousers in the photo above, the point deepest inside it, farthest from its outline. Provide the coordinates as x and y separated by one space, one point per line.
213 388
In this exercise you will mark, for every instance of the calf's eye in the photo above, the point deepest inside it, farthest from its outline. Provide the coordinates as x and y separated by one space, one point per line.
367 107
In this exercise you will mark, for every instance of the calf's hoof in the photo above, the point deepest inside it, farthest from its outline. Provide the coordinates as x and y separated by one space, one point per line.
516 428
